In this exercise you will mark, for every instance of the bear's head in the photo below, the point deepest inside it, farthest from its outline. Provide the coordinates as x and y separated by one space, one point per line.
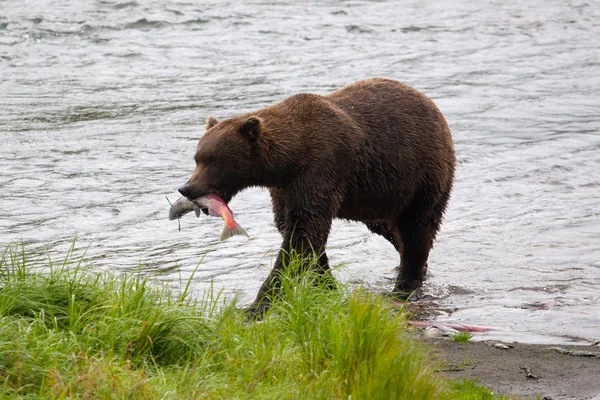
229 157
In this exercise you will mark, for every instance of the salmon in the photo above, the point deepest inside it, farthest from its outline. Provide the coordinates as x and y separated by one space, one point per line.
216 207
458 327
182 206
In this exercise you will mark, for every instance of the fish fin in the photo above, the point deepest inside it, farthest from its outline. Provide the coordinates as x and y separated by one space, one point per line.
197 212
238 230
213 213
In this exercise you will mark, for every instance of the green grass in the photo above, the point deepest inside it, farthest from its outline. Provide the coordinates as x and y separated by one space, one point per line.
469 390
69 331
462 337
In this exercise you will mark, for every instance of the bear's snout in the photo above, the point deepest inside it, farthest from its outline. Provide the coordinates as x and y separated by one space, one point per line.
185 190
192 192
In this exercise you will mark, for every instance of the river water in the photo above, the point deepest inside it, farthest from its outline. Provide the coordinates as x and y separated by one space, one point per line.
102 103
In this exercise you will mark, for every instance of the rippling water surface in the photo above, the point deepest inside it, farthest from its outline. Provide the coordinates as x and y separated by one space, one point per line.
101 105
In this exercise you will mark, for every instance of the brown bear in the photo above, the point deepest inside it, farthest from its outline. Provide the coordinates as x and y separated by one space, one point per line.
376 151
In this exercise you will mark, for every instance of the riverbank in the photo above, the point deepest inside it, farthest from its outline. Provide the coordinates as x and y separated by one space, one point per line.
552 374
70 331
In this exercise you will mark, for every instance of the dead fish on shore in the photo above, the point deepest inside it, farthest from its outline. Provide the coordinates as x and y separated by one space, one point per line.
575 352
216 207
455 327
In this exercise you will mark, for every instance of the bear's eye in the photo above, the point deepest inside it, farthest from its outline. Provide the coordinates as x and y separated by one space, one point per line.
204 159
208 160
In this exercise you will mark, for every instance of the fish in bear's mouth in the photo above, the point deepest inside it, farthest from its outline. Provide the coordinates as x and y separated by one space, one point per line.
214 206
195 192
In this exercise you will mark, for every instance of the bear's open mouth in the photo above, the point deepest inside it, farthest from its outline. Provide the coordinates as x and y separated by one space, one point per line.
224 196
194 192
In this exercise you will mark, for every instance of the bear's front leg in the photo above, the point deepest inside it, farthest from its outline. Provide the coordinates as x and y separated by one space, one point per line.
307 239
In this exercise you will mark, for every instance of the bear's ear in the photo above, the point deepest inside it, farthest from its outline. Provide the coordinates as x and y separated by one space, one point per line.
250 128
211 121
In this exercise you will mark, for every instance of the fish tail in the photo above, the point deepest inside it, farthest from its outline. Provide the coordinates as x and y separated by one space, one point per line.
237 230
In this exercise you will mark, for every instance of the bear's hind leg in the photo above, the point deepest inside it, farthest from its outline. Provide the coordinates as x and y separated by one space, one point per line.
413 266
418 225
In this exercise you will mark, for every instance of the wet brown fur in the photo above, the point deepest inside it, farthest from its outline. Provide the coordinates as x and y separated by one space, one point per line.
376 151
